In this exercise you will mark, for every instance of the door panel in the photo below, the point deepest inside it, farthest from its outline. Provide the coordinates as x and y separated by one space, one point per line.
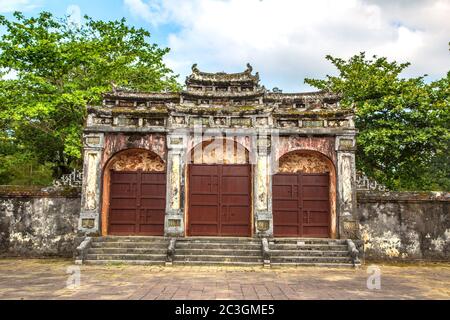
137 203
301 205
219 200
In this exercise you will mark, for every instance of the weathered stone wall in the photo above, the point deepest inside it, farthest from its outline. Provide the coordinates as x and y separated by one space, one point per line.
394 226
405 225
38 224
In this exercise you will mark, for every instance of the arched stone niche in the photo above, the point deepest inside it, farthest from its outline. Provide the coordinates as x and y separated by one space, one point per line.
219 151
127 160
323 145
135 160
306 161
121 142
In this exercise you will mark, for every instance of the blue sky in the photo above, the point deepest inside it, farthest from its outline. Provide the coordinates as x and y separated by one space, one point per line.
285 40
99 9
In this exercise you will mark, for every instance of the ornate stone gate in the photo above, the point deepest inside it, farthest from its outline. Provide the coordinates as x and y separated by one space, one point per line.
271 131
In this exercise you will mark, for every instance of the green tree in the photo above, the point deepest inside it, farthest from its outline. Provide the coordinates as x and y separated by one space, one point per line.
59 68
404 124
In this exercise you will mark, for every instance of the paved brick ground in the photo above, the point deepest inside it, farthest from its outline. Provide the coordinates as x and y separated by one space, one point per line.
46 279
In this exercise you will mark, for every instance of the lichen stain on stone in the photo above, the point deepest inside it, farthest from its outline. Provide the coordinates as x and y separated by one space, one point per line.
91 182
38 226
402 226
440 243
262 173
387 244
175 180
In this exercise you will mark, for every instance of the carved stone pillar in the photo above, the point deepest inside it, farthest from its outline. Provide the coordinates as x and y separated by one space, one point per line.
174 220
346 184
89 222
262 187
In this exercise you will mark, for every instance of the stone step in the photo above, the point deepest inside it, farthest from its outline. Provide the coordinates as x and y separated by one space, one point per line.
307 241
131 239
124 256
217 246
222 251
223 244
314 247
216 258
328 253
219 263
120 244
126 262
311 264
220 240
103 250
215 251
309 259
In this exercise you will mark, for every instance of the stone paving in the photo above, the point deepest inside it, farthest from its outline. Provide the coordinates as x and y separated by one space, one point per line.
47 279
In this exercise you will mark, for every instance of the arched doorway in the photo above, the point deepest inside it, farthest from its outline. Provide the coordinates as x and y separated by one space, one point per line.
134 194
219 189
304 193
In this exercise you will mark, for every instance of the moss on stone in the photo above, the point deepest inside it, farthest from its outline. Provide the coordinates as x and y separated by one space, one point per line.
139 112
223 110
314 114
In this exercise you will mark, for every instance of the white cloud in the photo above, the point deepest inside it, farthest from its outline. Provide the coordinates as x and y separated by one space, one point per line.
16 5
287 40
74 14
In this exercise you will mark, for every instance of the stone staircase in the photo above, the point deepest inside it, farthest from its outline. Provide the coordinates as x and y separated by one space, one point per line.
218 251
129 250
310 252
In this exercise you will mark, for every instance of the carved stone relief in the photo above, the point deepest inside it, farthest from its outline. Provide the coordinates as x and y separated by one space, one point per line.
134 160
302 162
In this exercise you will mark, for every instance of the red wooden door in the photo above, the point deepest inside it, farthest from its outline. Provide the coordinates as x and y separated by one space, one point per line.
137 203
301 205
219 200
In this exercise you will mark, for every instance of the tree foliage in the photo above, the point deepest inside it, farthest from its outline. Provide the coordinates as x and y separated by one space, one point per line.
404 124
58 68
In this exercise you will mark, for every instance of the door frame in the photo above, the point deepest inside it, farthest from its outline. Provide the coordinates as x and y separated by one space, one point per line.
188 202
329 218
139 173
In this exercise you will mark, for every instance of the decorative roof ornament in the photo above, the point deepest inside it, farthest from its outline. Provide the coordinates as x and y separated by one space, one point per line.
363 183
199 77
195 68
118 89
249 68
277 90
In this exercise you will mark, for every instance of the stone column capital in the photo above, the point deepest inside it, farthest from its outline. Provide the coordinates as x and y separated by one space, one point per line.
176 143
263 143
93 141
346 143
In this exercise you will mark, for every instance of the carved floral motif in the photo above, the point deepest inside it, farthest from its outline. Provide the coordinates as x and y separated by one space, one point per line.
134 160
302 162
